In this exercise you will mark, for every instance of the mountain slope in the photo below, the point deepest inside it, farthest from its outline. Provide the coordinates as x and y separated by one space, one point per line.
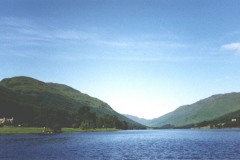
25 92
230 120
203 110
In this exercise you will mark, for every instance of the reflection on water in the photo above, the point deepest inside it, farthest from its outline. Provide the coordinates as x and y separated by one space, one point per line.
153 144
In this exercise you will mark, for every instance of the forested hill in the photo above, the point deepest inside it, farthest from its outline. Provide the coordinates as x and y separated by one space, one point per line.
35 103
203 110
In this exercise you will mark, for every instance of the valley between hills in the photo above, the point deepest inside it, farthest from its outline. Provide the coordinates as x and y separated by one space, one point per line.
217 111
33 103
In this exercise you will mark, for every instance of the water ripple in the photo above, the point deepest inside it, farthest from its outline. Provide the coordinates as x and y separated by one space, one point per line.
129 145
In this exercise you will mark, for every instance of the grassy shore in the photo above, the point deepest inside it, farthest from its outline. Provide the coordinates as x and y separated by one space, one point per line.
19 130
35 130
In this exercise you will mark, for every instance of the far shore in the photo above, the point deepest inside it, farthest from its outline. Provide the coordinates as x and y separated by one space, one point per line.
9 130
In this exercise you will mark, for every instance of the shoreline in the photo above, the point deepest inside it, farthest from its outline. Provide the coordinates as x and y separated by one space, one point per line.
6 130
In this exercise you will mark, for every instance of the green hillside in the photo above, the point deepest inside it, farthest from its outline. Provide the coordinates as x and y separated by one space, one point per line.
230 120
203 110
29 100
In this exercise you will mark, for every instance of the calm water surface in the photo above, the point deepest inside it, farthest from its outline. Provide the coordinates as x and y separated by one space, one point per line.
149 144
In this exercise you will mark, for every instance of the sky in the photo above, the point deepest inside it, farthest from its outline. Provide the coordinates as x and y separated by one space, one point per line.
142 57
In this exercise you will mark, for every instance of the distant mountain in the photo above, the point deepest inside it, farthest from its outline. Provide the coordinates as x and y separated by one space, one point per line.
203 110
24 98
137 119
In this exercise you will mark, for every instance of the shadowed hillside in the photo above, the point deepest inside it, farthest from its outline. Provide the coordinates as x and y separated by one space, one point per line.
30 101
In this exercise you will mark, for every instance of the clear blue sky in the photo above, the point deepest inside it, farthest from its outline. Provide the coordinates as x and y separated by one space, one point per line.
143 57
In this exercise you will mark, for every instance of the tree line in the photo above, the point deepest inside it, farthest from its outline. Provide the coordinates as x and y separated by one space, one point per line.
55 119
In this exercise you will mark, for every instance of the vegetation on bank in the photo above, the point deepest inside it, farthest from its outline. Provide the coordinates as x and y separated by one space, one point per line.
231 120
11 130
54 120
86 121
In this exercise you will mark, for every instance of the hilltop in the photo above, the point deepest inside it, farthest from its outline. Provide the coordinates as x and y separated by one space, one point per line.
35 103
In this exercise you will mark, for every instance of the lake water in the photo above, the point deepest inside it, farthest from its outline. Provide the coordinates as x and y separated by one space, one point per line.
148 144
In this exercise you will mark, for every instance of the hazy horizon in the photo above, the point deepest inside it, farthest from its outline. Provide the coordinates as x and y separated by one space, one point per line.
142 57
